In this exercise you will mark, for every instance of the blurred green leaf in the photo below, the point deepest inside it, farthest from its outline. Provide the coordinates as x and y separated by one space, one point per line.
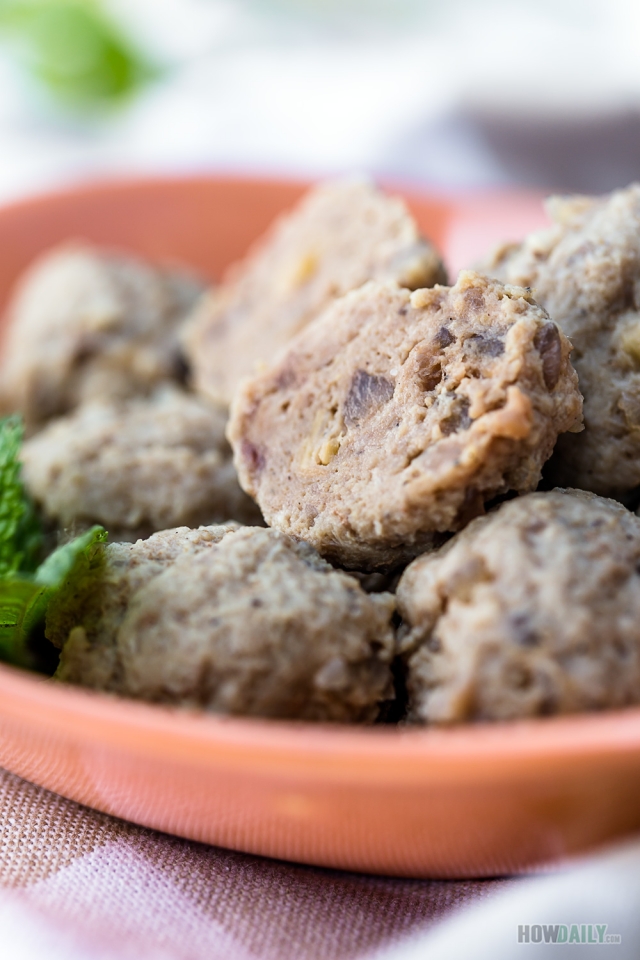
76 51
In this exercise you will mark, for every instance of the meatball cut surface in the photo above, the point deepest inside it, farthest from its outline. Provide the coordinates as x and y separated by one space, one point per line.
585 270
396 416
252 623
339 236
137 466
533 609
86 324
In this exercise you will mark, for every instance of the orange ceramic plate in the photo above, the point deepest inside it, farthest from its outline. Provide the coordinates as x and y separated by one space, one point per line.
473 801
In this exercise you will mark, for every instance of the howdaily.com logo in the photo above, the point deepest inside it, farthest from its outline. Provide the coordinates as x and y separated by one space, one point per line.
588 933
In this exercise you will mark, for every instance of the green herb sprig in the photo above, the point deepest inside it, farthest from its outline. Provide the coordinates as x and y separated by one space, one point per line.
27 585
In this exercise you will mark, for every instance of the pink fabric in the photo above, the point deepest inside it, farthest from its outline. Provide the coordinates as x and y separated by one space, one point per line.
100 888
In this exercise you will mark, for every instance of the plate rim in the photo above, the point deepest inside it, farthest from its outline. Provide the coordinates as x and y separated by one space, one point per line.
182 734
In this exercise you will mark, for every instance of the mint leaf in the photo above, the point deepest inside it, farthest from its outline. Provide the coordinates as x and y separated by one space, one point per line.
20 531
16 600
24 599
25 587
67 560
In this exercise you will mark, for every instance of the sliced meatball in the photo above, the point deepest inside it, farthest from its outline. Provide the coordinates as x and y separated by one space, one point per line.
395 416
340 235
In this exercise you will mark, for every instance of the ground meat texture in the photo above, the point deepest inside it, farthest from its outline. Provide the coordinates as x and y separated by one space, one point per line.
84 324
533 609
137 466
341 235
256 625
395 416
84 617
585 271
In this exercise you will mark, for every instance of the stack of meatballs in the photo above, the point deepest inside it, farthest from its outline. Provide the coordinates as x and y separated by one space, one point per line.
336 488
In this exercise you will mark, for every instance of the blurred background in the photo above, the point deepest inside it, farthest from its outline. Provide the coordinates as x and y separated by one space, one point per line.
439 93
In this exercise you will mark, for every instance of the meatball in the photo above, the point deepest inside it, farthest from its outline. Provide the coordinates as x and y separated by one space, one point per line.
585 271
85 324
84 617
533 609
252 622
137 466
